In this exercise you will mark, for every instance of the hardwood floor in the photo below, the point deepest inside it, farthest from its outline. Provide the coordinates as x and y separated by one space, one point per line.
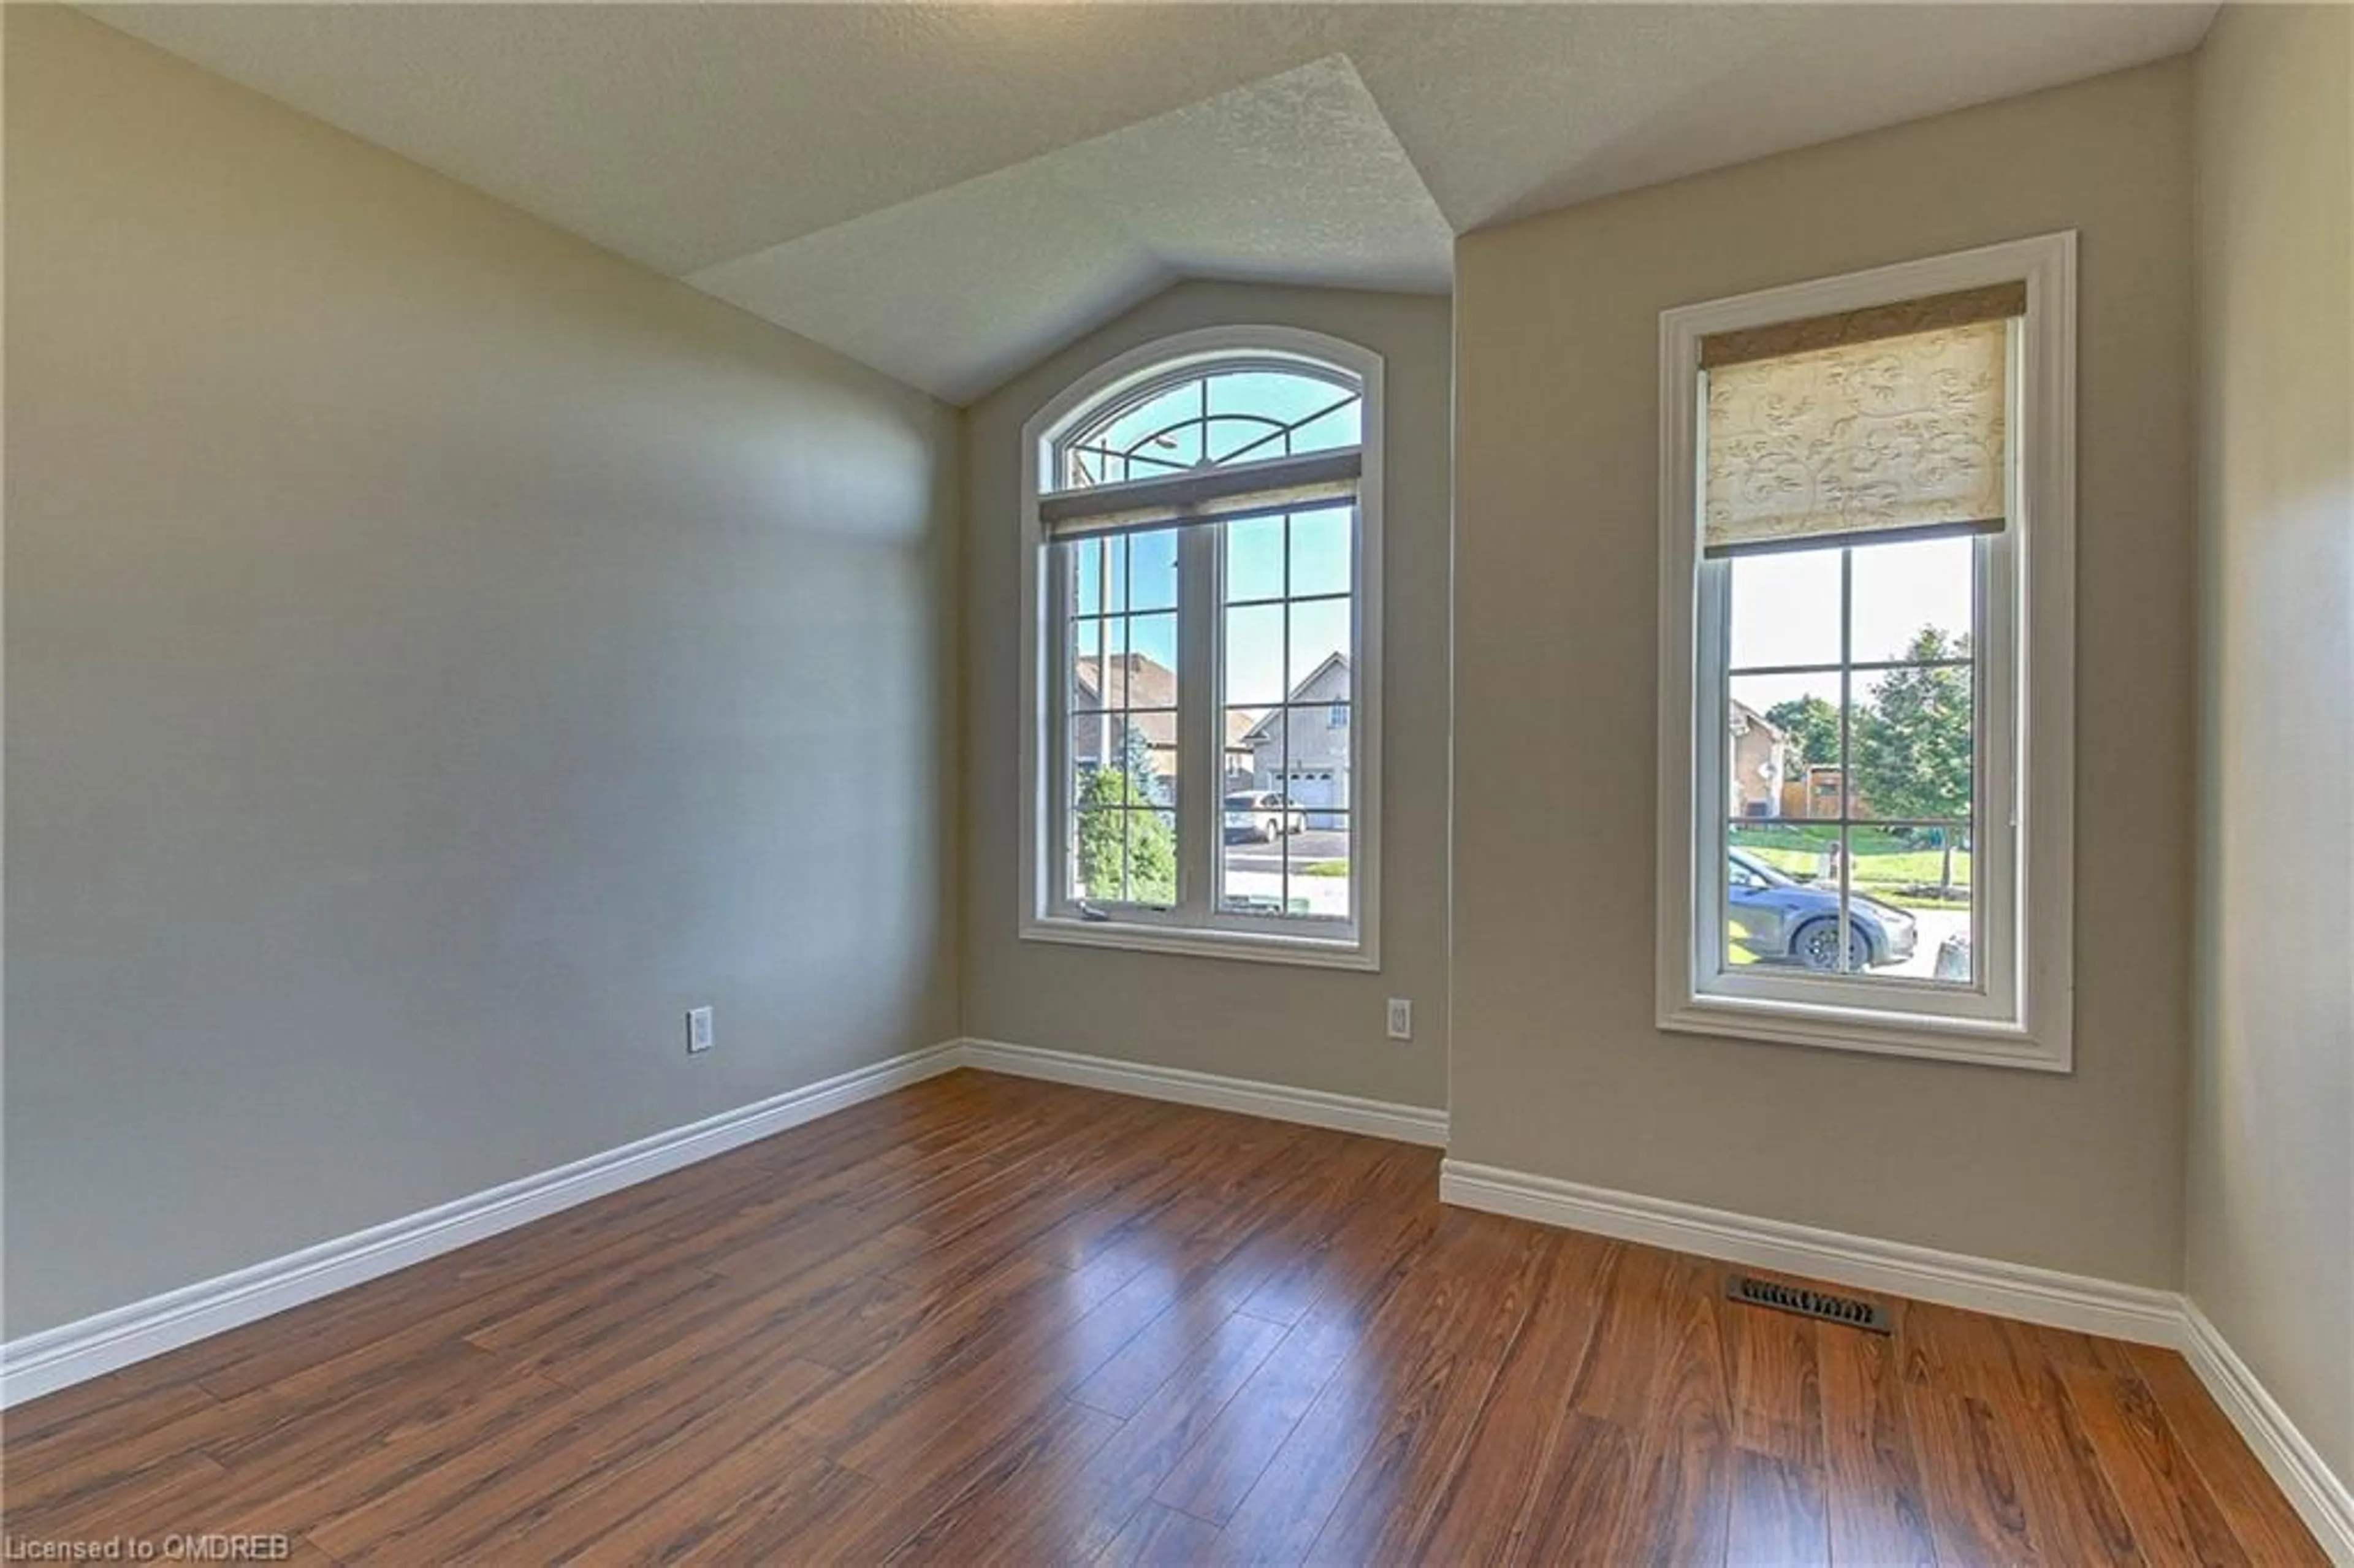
991 1320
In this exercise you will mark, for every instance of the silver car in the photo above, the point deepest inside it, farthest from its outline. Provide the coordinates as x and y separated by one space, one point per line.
1263 815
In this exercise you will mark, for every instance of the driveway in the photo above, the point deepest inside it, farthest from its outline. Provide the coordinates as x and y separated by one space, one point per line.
1932 927
1308 848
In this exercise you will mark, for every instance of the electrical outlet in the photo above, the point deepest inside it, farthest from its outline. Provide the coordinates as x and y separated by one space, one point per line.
1401 1018
698 1031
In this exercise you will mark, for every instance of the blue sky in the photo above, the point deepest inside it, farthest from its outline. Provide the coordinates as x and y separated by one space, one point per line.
1231 416
1785 610
1267 650
1166 433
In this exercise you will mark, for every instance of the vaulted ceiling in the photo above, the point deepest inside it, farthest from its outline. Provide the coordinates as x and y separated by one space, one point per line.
950 192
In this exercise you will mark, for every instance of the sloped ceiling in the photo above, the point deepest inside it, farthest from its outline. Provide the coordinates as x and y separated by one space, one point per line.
1294 177
948 192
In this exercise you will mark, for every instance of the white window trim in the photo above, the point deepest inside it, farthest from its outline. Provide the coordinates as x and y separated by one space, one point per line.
1264 943
2022 1019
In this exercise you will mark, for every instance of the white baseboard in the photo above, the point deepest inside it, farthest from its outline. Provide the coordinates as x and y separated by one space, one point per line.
1952 1279
60 1356
72 1352
1313 1108
2323 1501
56 1358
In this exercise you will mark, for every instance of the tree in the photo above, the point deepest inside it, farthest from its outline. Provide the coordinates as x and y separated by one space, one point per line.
1910 743
1113 839
1136 756
1813 727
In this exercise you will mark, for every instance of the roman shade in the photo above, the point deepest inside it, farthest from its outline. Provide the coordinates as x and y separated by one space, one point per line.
1862 426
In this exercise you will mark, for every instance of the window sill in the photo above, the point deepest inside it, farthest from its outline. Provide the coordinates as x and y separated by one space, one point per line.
1883 1034
1252 946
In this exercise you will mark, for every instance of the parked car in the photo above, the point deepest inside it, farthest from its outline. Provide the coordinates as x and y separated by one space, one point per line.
1779 919
1263 815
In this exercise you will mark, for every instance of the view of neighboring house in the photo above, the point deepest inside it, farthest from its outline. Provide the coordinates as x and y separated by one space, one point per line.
1820 794
1148 689
1302 747
1762 757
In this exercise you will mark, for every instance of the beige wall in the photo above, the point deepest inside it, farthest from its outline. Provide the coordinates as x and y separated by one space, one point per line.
1558 1069
1318 1029
438 653
2272 1112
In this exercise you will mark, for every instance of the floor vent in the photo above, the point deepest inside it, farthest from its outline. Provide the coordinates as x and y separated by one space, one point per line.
1847 1310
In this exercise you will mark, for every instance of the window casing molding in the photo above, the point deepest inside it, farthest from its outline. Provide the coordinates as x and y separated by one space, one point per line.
2019 1009
1194 927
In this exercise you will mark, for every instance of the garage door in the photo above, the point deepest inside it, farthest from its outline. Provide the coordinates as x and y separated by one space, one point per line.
1310 787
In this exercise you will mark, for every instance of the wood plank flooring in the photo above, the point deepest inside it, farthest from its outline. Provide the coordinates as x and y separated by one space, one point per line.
991 1320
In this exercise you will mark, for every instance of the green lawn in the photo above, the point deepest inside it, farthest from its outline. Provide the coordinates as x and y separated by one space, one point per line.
1883 861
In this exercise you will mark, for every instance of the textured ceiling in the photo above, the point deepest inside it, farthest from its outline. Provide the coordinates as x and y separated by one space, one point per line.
950 191
1294 177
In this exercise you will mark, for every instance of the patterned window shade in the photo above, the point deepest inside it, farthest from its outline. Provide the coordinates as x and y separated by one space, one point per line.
1864 426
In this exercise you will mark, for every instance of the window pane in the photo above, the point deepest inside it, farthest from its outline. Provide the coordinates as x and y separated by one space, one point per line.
1095 738
1320 550
1342 427
1782 901
1273 742
1913 601
1320 868
1906 919
1246 438
1303 752
1782 747
1319 651
1123 662
1151 758
1909 744
1284 856
1246 742
1785 609
1911 900
1277 394
1254 656
1086 565
1316 789
1314 415
1254 559
1096 864
1124 857
1164 431
1250 861
1098 660
1778 878
1124 760
1152 569
1152 660
1151 857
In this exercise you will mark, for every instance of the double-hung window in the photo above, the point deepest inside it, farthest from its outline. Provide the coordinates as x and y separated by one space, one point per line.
1867 507
1202 657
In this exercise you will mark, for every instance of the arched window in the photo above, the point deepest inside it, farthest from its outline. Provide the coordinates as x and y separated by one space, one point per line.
1203 522
1239 411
